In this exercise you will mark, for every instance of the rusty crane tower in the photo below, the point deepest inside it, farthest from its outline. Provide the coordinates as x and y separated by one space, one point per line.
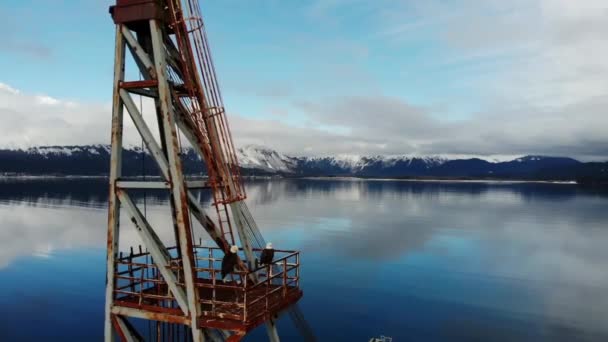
176 288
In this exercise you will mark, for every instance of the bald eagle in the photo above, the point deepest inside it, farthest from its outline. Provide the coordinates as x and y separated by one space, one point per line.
229 261
267 255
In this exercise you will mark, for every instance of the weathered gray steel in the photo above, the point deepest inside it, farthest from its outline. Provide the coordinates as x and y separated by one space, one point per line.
115 172
144 92
176 177
138 51
242 222
172 173
125 330
145 133
153 52
159 252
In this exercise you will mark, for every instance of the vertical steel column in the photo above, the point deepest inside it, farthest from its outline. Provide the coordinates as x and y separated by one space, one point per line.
242 224
176 178
115 171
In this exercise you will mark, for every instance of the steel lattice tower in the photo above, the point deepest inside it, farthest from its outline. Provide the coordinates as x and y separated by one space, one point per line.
178 285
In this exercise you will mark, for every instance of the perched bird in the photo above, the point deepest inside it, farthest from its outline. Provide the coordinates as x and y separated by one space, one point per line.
267 255
229 261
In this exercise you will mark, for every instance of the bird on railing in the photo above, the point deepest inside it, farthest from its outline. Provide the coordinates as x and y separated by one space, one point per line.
267 255
229 261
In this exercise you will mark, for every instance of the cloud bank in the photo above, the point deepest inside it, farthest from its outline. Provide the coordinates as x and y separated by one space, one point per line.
344 125
533 71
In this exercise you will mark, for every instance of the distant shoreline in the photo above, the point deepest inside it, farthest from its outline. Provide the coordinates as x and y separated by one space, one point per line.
435 180
50 177
339 178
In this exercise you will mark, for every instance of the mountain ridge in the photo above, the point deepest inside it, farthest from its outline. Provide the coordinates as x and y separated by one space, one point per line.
261 160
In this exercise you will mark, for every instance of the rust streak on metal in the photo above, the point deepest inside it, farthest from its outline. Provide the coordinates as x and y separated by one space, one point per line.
224 305
146 312
178 285
117 328
138 84
151 308
134 11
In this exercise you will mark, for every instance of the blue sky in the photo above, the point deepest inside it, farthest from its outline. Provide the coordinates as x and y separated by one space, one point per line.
333 71
260 48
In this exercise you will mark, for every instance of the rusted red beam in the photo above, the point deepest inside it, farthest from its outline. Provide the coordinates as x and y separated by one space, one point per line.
222 319
245 327
128 11
117 328
151 308
259 319
150 315
223 324
139 84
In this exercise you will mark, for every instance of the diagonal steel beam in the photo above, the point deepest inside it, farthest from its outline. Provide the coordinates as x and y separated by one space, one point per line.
187 127
144 92
163 164
139 53
146 134
201 216
173 57
158 251
161 161
125 329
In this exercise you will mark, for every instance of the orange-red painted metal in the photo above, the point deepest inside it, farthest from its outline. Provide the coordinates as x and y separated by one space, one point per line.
204 105
168 42
131 11
139 84
239 305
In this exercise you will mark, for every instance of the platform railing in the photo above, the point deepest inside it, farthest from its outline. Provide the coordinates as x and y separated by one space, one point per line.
286 283
242 298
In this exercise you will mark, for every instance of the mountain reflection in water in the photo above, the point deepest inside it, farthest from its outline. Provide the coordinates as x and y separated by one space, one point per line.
412 260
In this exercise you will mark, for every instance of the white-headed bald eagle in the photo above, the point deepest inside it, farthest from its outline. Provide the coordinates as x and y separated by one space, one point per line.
267 255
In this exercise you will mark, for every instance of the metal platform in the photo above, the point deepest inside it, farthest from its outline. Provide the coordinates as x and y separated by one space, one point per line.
240 304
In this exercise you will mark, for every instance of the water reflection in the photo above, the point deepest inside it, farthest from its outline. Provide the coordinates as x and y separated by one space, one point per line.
438 260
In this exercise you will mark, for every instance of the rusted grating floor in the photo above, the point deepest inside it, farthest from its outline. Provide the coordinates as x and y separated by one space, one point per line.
229 315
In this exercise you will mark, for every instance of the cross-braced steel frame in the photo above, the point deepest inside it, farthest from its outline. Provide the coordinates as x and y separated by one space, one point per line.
158 60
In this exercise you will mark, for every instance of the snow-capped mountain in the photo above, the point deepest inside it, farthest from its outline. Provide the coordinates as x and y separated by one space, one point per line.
49 151
263 158
355 163
260 160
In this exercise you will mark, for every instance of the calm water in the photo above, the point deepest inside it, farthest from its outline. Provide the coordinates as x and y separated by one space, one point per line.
415 261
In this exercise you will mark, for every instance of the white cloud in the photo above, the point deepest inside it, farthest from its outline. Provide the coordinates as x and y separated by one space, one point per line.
350 125
47 100
31 120
7 88
554 50
535 70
